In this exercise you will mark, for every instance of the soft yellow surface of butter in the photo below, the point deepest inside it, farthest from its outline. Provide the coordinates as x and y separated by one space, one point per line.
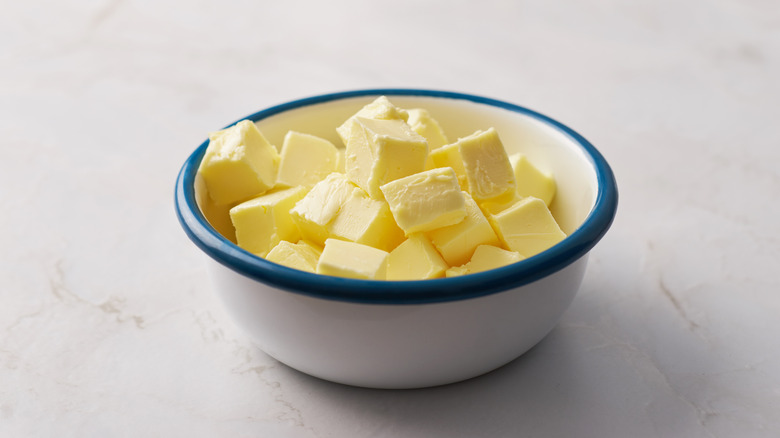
426 200
457 242
488 170
367 221
305 160
319 207
525 226
485 258
261 223
218 215
302 255
352 260
380 151
381 108
421 122
449 156
415 259
530 180
239 163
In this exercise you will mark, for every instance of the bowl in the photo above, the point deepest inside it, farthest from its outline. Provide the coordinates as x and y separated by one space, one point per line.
412 334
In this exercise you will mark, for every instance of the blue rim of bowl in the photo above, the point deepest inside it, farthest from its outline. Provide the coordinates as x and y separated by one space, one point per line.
574 246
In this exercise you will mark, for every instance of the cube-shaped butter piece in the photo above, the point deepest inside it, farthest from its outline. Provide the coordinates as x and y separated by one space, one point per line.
302 255
380 151
367 221
305 160
217 215
263 222
319 207
381 109
415 259
352 260
426 200
488 257
531 181
449 156
457 242
488 170
239 163
485 258
421 122
525 226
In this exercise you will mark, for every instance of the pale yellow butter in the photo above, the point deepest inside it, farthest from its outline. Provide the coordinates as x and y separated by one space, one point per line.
368 221
261 223
380 151
352 260
239 163
415 259
426 200
457 242
485 258
319 207
449 156
488 170
306 160
302 255
525 225
530 180
421 122
381 108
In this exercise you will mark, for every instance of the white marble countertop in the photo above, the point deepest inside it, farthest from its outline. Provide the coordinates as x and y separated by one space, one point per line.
108 326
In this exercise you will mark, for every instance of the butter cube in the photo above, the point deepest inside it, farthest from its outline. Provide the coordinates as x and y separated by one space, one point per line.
456 243
381 109
415 259
525 226
305 160
261 223
488 170
485 258
449 156
217 215
319 207
367 221
426 200
302 255
352 260
421 122
239 163
380 151
530 180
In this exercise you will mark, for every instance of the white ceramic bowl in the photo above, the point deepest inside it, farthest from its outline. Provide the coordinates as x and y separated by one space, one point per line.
412 334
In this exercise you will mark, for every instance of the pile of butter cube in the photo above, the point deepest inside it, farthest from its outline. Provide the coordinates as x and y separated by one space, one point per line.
398 202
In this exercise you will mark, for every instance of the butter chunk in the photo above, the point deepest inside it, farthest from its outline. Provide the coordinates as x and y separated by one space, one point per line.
261 223
426 200
380 151
305 160
457 242
239 163
381 109
352 260
421 122
302 255
217 215
485 258
525 226
319 207
415 259
530 180
488 170
367 221
449 156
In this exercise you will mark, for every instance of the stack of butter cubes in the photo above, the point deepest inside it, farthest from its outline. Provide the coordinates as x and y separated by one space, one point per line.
398 202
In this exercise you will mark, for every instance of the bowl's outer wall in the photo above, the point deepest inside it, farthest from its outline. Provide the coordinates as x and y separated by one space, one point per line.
396 346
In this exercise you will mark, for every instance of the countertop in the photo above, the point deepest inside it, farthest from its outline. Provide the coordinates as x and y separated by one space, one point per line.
108 326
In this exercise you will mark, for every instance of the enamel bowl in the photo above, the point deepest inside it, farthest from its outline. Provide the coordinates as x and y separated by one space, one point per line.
411 334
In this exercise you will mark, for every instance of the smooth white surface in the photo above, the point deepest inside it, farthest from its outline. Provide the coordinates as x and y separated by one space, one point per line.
108 327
